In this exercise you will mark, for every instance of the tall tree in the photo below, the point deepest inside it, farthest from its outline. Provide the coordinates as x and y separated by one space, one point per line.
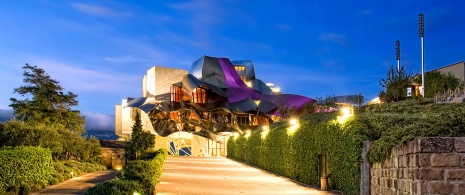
358 99
45 102
141 140
396 82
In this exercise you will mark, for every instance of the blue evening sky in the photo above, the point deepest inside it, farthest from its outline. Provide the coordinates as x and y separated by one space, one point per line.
101 49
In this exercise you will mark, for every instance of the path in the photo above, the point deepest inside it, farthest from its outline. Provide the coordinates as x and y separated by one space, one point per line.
78 185
217 175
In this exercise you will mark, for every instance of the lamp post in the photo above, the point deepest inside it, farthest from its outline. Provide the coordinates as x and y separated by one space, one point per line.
421 33
398 55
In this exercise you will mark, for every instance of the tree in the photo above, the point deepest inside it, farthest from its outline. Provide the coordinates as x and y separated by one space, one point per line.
358 99
330 101
141 140
438 82
396 82
48 104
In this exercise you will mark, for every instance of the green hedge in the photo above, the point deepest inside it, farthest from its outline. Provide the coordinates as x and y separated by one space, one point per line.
116 187
23 167
295 153
144 172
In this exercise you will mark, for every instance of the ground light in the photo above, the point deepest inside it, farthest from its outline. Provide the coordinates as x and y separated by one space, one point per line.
236 135
294 125
247 133
346 113
265 130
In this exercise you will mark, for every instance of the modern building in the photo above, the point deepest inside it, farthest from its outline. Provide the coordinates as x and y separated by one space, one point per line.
194 112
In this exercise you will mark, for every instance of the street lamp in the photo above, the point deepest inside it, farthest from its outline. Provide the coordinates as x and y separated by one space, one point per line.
398 55
421 33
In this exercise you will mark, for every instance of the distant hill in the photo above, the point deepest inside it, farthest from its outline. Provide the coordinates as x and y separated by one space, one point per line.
6 115
102 134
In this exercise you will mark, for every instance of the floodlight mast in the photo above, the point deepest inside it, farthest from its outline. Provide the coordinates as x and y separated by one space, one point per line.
398 55
421 33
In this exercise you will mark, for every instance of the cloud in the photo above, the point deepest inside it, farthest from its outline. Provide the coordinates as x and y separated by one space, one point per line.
95 10
82 79
98 121
94 121
335 38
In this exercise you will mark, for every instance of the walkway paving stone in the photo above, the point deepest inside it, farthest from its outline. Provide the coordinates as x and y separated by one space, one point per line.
78 185
218 175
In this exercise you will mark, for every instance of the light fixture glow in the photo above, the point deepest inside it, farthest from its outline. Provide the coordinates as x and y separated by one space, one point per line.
293 122
345 111
265 127
269 84
247 133
249 84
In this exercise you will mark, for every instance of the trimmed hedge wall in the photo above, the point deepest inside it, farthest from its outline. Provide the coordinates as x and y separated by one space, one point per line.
143 172
116 187
22 167
295 153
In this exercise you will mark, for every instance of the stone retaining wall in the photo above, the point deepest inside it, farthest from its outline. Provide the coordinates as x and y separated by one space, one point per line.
424 166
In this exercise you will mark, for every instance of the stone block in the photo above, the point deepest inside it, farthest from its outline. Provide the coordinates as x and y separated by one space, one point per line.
412 173
459 144
374 180
437 187
456 175
393 173
436 144
460 189
419 187
413 160
403 161
424 159
446 160
430 174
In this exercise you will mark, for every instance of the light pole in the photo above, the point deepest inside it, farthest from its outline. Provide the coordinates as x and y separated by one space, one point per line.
398 55
421 33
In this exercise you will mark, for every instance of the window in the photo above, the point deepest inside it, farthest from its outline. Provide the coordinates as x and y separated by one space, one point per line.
243 120
241 71
199 96
175 93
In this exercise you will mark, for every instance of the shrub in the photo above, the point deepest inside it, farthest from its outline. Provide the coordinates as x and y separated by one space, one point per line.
54 181
294 153
25 165
116 187
146 172
24 189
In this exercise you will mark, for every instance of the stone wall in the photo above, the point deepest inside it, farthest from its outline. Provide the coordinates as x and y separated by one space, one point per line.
113 153
423 166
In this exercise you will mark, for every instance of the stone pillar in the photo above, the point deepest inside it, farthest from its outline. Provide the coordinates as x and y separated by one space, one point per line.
365 168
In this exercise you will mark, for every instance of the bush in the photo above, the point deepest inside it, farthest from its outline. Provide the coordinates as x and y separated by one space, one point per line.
24 189
294 153
25 165
116 187
146 172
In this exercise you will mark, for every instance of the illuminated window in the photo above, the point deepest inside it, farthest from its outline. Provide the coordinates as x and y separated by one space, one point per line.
241 71
199 96
175 93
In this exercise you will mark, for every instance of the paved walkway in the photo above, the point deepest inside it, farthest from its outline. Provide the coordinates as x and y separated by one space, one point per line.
217 175
78 185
